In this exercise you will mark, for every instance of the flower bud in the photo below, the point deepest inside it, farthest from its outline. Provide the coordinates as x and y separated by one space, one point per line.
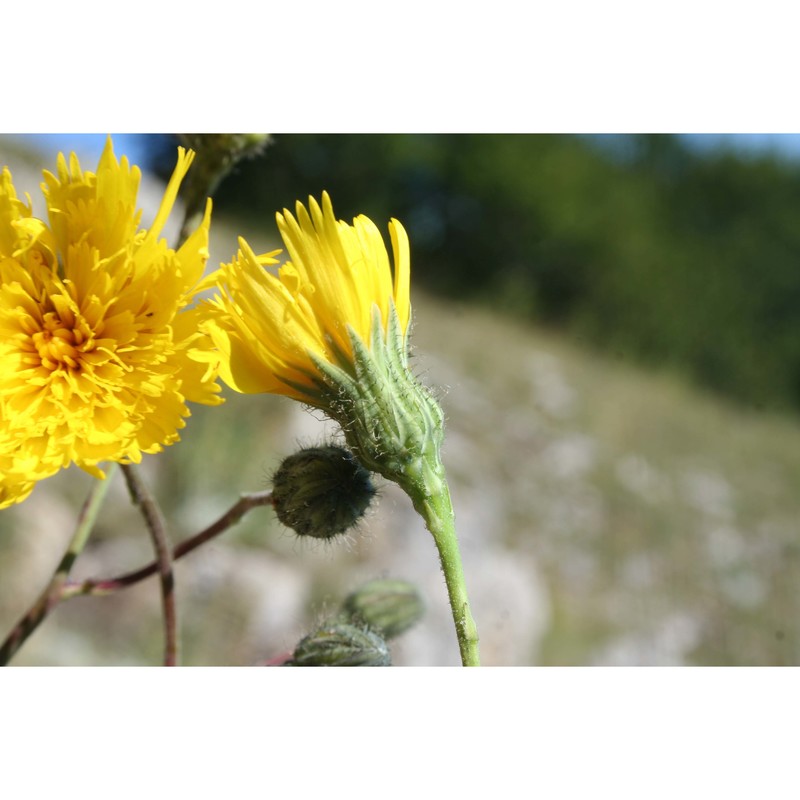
341 645
321 491
391 422
388 607
216 154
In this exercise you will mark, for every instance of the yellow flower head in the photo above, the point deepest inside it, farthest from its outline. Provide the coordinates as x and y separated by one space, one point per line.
272 330
98 352
331 329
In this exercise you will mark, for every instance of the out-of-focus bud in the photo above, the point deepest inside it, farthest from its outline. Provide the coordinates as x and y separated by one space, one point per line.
216 154
341 645
321 491
388 607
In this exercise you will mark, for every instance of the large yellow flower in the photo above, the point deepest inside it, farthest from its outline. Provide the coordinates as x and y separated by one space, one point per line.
98 350
273 329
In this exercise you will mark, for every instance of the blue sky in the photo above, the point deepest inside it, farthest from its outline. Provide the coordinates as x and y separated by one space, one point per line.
89 146
783 144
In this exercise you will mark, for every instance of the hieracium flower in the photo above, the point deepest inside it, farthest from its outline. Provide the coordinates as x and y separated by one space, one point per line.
330 324
330 328
99 351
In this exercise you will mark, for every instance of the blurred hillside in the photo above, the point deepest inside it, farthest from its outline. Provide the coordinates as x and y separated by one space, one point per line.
607 514
670 255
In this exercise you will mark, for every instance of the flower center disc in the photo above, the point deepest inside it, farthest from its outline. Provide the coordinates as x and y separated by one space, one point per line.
59 347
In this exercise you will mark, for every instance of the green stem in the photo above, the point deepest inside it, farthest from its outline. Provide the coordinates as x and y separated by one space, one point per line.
52 595
437 510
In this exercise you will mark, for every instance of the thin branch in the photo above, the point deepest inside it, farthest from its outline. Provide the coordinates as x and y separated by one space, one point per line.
61 589
228 519
154 520
53 593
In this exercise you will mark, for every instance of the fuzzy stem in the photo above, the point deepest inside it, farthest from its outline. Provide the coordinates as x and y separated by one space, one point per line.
52 595
154 520
394 426
437 510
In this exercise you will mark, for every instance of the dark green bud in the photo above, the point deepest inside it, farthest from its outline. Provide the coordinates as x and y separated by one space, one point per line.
321 491
388 607
341 645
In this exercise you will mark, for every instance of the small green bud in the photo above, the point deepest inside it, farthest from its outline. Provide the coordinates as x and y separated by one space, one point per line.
321 491
388 607
341 645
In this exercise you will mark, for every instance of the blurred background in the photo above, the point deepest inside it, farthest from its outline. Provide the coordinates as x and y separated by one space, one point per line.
611 325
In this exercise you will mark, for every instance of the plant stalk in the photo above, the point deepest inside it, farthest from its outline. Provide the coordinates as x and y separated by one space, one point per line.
52 594
107 586
156 525
437 511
